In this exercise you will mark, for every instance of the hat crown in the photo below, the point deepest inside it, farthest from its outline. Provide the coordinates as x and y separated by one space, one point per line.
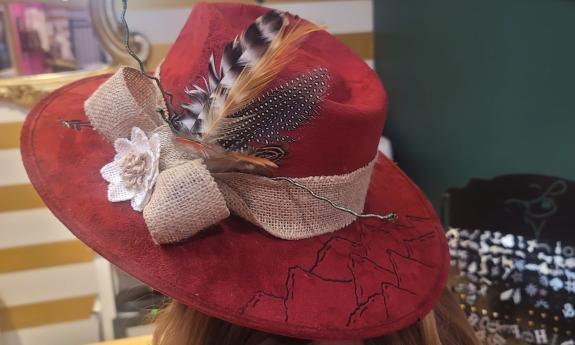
340 138
364 279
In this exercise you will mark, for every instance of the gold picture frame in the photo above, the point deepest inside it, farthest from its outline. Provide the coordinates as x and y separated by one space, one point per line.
28 90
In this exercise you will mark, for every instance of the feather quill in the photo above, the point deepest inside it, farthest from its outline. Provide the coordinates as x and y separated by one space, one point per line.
219 160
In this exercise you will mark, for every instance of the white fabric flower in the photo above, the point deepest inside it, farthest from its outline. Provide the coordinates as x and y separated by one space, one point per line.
134 170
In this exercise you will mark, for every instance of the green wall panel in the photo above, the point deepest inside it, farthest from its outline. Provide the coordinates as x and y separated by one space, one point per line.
478 88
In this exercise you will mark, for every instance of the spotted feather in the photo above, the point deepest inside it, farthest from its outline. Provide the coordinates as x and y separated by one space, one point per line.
283 108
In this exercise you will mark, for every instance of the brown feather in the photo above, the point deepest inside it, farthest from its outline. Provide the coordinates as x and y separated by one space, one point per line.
196 147
234 161
251 159
251 81
219 161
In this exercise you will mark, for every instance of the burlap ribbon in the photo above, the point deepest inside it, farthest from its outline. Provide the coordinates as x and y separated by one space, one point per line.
188 198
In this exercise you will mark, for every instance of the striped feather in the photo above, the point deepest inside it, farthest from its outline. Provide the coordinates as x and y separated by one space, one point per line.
243 52
226 115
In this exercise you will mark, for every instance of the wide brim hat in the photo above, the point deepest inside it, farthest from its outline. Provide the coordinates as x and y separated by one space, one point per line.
297 250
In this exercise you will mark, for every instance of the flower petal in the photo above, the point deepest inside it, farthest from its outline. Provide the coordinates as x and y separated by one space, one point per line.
155 145
140 200
119 192
151 174
139 139
123 146
112 172
149 180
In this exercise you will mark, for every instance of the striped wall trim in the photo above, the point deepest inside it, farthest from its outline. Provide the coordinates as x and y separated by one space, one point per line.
19 197
48 284
10 135
339 17
157 54
361 43
12 112
12 171
44 255
73 333
142 340
153 4
52 312
31 227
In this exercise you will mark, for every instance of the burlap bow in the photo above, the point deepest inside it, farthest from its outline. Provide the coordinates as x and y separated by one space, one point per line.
188 198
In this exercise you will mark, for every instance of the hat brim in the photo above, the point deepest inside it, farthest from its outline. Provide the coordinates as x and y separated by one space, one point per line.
368 279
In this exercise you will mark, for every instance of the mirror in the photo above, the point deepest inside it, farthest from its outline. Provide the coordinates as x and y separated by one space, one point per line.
45 44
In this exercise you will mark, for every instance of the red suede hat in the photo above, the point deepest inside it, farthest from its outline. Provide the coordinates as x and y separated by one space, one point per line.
267 148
